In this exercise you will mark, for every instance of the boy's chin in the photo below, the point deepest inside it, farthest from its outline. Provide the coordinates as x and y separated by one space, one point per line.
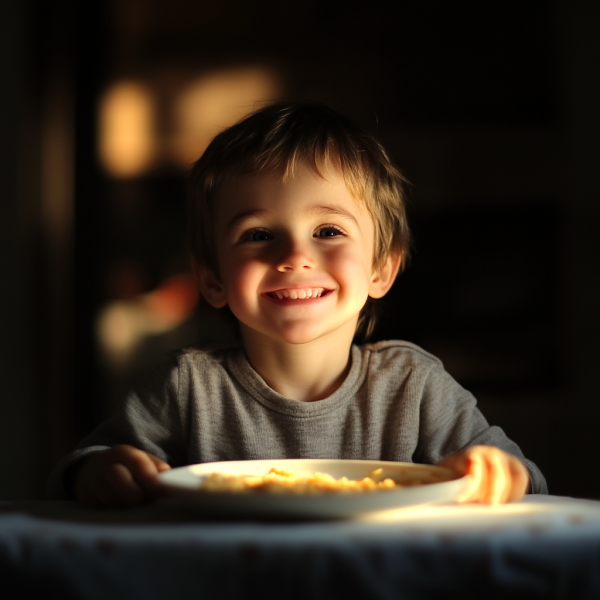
299 334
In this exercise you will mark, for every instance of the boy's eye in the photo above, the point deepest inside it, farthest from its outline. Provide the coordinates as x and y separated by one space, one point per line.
329 231
258 235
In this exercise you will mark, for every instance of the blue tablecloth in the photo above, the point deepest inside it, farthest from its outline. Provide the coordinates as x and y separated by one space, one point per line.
542 547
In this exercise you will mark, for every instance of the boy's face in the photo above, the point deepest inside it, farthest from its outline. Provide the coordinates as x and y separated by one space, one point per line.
295 257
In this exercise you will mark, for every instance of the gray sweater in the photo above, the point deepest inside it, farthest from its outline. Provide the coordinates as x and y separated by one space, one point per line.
397 403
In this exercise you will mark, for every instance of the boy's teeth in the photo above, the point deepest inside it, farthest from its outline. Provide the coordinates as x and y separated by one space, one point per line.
299 294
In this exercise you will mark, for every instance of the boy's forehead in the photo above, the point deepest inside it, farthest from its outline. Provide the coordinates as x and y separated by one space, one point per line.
270 191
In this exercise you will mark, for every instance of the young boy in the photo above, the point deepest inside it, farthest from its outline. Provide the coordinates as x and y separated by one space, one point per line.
296 227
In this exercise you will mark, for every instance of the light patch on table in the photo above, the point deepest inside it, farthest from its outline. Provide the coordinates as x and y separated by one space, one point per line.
486 516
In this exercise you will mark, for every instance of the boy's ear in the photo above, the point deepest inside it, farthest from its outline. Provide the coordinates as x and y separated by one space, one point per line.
210 285
383 278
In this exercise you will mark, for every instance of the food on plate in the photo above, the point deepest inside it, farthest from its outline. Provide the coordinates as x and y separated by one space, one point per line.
284 481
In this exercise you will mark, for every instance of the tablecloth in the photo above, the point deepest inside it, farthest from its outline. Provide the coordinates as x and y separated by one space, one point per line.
541 547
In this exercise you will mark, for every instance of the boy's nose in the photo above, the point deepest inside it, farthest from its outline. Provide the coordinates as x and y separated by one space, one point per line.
294 257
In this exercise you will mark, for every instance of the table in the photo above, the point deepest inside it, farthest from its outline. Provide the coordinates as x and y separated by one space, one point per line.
541 547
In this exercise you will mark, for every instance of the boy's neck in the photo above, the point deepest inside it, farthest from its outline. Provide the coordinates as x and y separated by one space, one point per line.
304 372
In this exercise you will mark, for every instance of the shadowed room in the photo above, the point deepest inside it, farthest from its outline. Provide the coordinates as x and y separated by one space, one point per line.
490 110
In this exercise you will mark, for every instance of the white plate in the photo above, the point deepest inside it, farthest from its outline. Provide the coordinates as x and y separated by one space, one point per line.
182 485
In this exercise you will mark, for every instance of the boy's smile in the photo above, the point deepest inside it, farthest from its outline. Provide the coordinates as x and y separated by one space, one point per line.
297 294
295 257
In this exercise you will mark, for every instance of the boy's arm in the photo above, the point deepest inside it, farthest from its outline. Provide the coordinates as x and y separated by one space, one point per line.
450 423
149 420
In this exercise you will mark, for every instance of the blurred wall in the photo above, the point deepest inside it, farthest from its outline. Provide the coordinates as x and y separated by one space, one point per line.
576 417
490 110
19 427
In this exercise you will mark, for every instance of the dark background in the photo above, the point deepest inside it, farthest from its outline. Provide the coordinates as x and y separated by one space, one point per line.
490 110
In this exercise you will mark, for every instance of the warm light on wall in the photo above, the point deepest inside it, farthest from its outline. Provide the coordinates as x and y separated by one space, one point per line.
124 324
215 101
126 129
128 142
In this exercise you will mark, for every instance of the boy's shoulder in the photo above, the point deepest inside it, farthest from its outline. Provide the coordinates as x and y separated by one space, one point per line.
221 362
400 350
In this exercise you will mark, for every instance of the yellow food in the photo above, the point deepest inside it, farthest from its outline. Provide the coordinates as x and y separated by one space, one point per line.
283 481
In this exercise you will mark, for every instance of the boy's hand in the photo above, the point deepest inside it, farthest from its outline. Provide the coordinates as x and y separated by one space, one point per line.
122 476
497 477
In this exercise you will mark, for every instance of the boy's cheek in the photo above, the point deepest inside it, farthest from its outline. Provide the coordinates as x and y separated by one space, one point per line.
239 286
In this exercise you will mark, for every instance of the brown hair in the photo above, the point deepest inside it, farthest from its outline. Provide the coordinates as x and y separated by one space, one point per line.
276 139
